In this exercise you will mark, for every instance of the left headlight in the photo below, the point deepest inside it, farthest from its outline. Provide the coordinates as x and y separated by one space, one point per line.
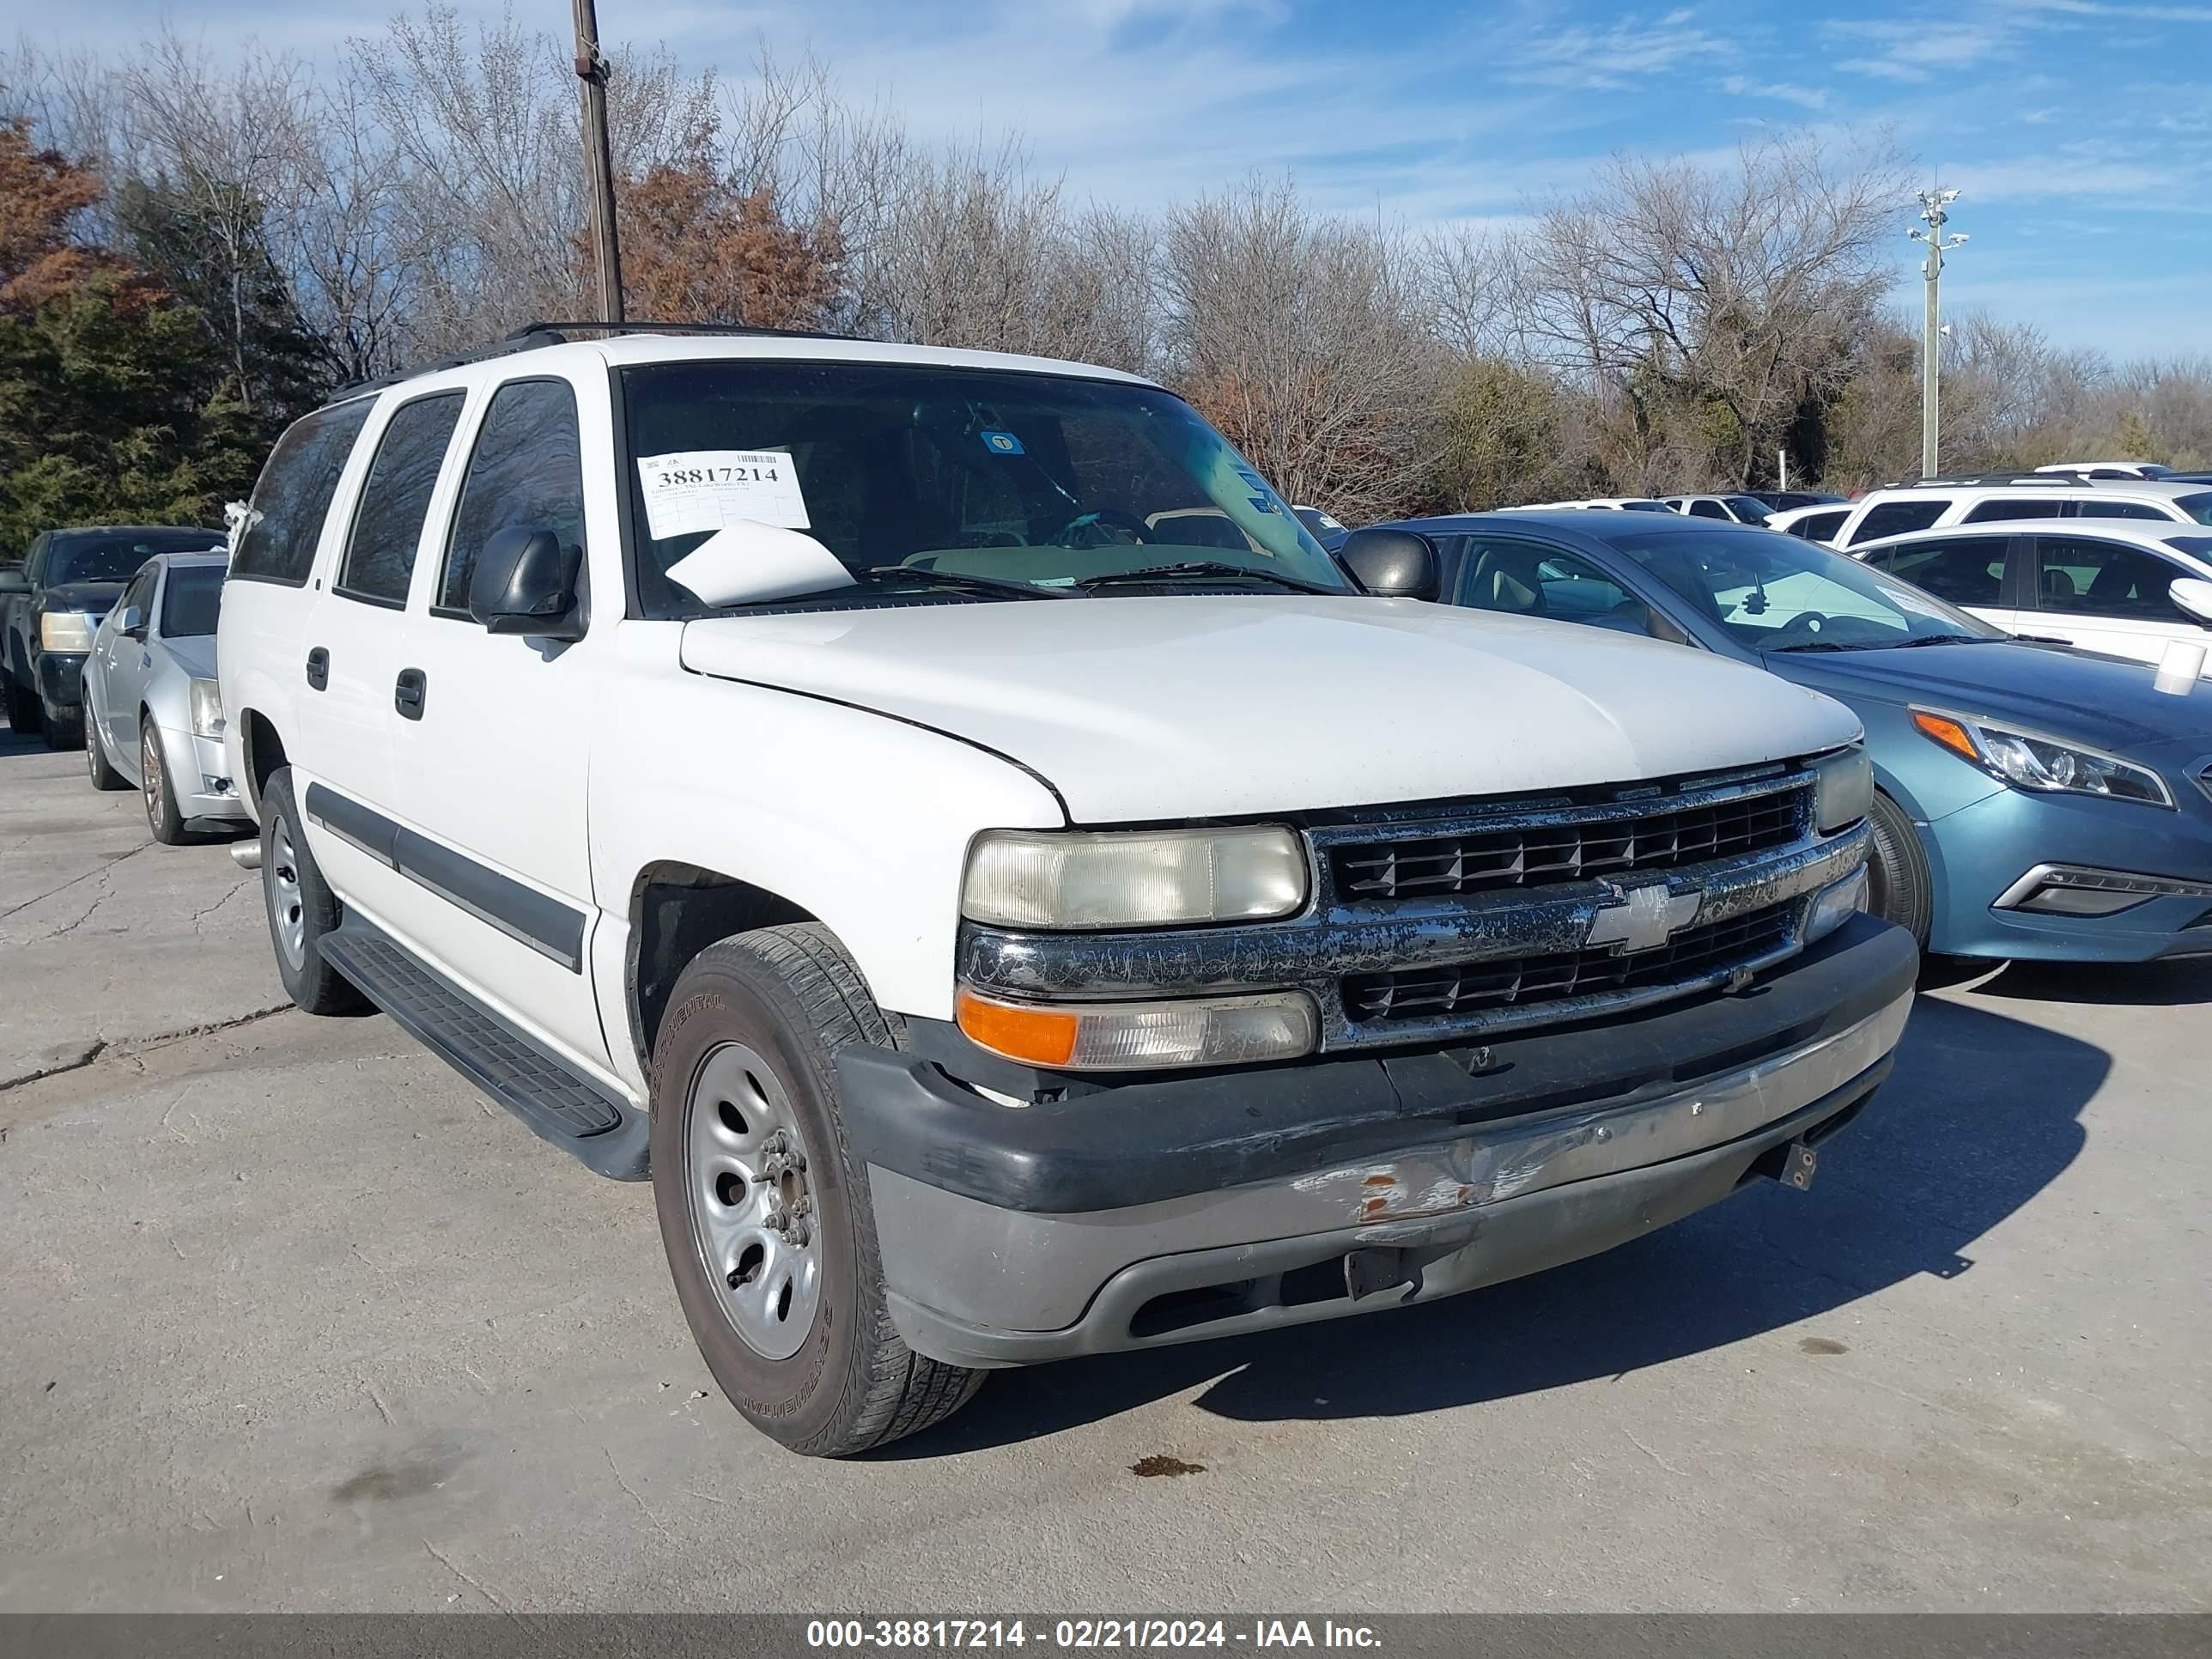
2042 765
1134 878
67 631
207 710
1845 792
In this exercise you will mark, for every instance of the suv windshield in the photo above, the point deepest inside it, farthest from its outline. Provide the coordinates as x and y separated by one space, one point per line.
191 600
114 555
1773 594
1036 480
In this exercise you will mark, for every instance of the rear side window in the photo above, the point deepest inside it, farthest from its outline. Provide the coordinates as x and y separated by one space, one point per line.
1897 517
277 542
380 556
2088 578
1988 512
1965 570
1819 526
2101 510
1706 507
527 469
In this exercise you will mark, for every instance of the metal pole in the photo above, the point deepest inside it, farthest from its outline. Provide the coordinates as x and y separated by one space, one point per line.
598 161
1930 344
1933 205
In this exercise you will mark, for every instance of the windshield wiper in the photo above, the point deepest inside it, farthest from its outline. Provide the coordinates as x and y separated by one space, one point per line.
1204 567
1815 645
885 574
1945 639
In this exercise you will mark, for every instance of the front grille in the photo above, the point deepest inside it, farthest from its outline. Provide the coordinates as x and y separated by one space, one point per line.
1474 988
1595 841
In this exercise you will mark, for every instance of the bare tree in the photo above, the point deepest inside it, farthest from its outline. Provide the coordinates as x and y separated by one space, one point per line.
1302 337
1733 290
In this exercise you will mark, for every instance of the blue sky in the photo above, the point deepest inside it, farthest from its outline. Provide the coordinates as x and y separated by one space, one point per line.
2080 131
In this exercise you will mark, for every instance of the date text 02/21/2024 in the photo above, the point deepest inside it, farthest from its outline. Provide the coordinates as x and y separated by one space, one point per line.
1077 1634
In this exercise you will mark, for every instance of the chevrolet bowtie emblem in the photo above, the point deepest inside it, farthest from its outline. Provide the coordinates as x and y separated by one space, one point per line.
1645 918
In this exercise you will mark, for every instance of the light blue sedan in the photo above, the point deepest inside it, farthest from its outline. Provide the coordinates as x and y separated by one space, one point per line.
2035 800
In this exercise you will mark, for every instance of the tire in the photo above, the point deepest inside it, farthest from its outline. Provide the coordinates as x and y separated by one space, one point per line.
104 776
62 728
1901 889
22 708
155 787
747 1050
301 907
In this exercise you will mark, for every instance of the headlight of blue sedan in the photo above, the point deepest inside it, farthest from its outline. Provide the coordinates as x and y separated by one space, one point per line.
2042 765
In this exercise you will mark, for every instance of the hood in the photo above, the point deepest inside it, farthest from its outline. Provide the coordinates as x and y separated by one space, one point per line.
194 654
2109 703
95 596
1165 708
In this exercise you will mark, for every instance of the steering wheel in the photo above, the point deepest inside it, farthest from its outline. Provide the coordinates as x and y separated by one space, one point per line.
1095 526
1811 623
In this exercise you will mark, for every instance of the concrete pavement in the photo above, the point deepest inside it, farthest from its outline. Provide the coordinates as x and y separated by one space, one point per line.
295 1319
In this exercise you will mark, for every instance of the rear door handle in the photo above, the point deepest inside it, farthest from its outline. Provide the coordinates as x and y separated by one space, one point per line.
319 669
407 692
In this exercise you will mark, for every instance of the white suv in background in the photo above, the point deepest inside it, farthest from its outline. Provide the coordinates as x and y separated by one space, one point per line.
2124 588
1939 504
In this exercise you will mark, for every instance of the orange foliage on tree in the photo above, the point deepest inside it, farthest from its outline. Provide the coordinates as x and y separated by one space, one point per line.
41 192
695 249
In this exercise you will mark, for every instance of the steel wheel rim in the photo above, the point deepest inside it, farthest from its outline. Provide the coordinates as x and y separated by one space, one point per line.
149 772
753 1219
287 910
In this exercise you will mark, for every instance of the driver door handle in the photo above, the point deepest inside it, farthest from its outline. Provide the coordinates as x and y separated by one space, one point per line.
319 669
407 692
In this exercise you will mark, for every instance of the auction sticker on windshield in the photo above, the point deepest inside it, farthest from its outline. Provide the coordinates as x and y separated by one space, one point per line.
694 489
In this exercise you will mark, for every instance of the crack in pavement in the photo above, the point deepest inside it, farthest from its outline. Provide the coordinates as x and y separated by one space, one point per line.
100 1047
113 859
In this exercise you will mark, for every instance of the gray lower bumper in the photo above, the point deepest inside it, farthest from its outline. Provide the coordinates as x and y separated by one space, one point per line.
977 1285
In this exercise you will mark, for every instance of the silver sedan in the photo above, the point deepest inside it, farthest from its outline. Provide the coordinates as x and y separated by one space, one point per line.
152 716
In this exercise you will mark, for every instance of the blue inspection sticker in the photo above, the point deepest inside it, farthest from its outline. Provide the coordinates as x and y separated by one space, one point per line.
1002 443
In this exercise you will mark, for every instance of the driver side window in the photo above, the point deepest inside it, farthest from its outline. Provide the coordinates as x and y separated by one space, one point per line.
1526 579
139 594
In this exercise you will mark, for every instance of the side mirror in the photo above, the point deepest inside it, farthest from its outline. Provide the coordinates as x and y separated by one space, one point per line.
524 582
2193 594
13 580
131 624
1396 564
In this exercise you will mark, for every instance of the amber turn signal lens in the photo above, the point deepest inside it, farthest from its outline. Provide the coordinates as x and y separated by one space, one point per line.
1952 735
1043 1037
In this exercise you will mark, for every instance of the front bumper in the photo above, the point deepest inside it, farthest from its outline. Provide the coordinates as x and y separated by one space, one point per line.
1984 850
1168 1212
61 677
201 777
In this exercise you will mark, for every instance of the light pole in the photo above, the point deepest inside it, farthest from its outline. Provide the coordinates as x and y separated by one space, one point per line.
598 161
1934 204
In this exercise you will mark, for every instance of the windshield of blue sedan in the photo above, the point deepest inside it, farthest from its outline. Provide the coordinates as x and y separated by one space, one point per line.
1039 482
1776 593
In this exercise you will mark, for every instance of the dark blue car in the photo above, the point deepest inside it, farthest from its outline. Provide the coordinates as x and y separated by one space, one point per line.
2036 801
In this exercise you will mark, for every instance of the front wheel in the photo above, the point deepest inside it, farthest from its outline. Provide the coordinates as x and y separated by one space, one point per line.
764 1210
301 907
1899 888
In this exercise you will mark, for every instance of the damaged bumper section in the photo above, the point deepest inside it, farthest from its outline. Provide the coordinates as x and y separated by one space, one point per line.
1177 1209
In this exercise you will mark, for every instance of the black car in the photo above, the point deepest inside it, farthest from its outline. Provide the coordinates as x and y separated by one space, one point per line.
53 603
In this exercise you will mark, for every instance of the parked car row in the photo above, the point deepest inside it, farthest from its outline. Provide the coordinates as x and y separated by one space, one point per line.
945 820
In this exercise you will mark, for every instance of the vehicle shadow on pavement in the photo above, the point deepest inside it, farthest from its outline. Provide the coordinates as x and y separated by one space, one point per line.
1983 1112
2126 984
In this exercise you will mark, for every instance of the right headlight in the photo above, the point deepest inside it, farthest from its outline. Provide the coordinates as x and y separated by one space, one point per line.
2041 765
67 632
1845 791
1067 881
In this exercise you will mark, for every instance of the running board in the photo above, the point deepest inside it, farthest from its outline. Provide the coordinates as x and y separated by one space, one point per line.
575 1113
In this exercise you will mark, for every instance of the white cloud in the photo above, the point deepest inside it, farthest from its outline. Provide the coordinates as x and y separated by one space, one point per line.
1742 86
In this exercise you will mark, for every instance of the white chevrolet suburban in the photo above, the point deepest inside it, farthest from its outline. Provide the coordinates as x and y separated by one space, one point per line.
942 818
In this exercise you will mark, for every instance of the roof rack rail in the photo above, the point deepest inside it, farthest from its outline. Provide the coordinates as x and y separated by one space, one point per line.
1983 480
532 336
